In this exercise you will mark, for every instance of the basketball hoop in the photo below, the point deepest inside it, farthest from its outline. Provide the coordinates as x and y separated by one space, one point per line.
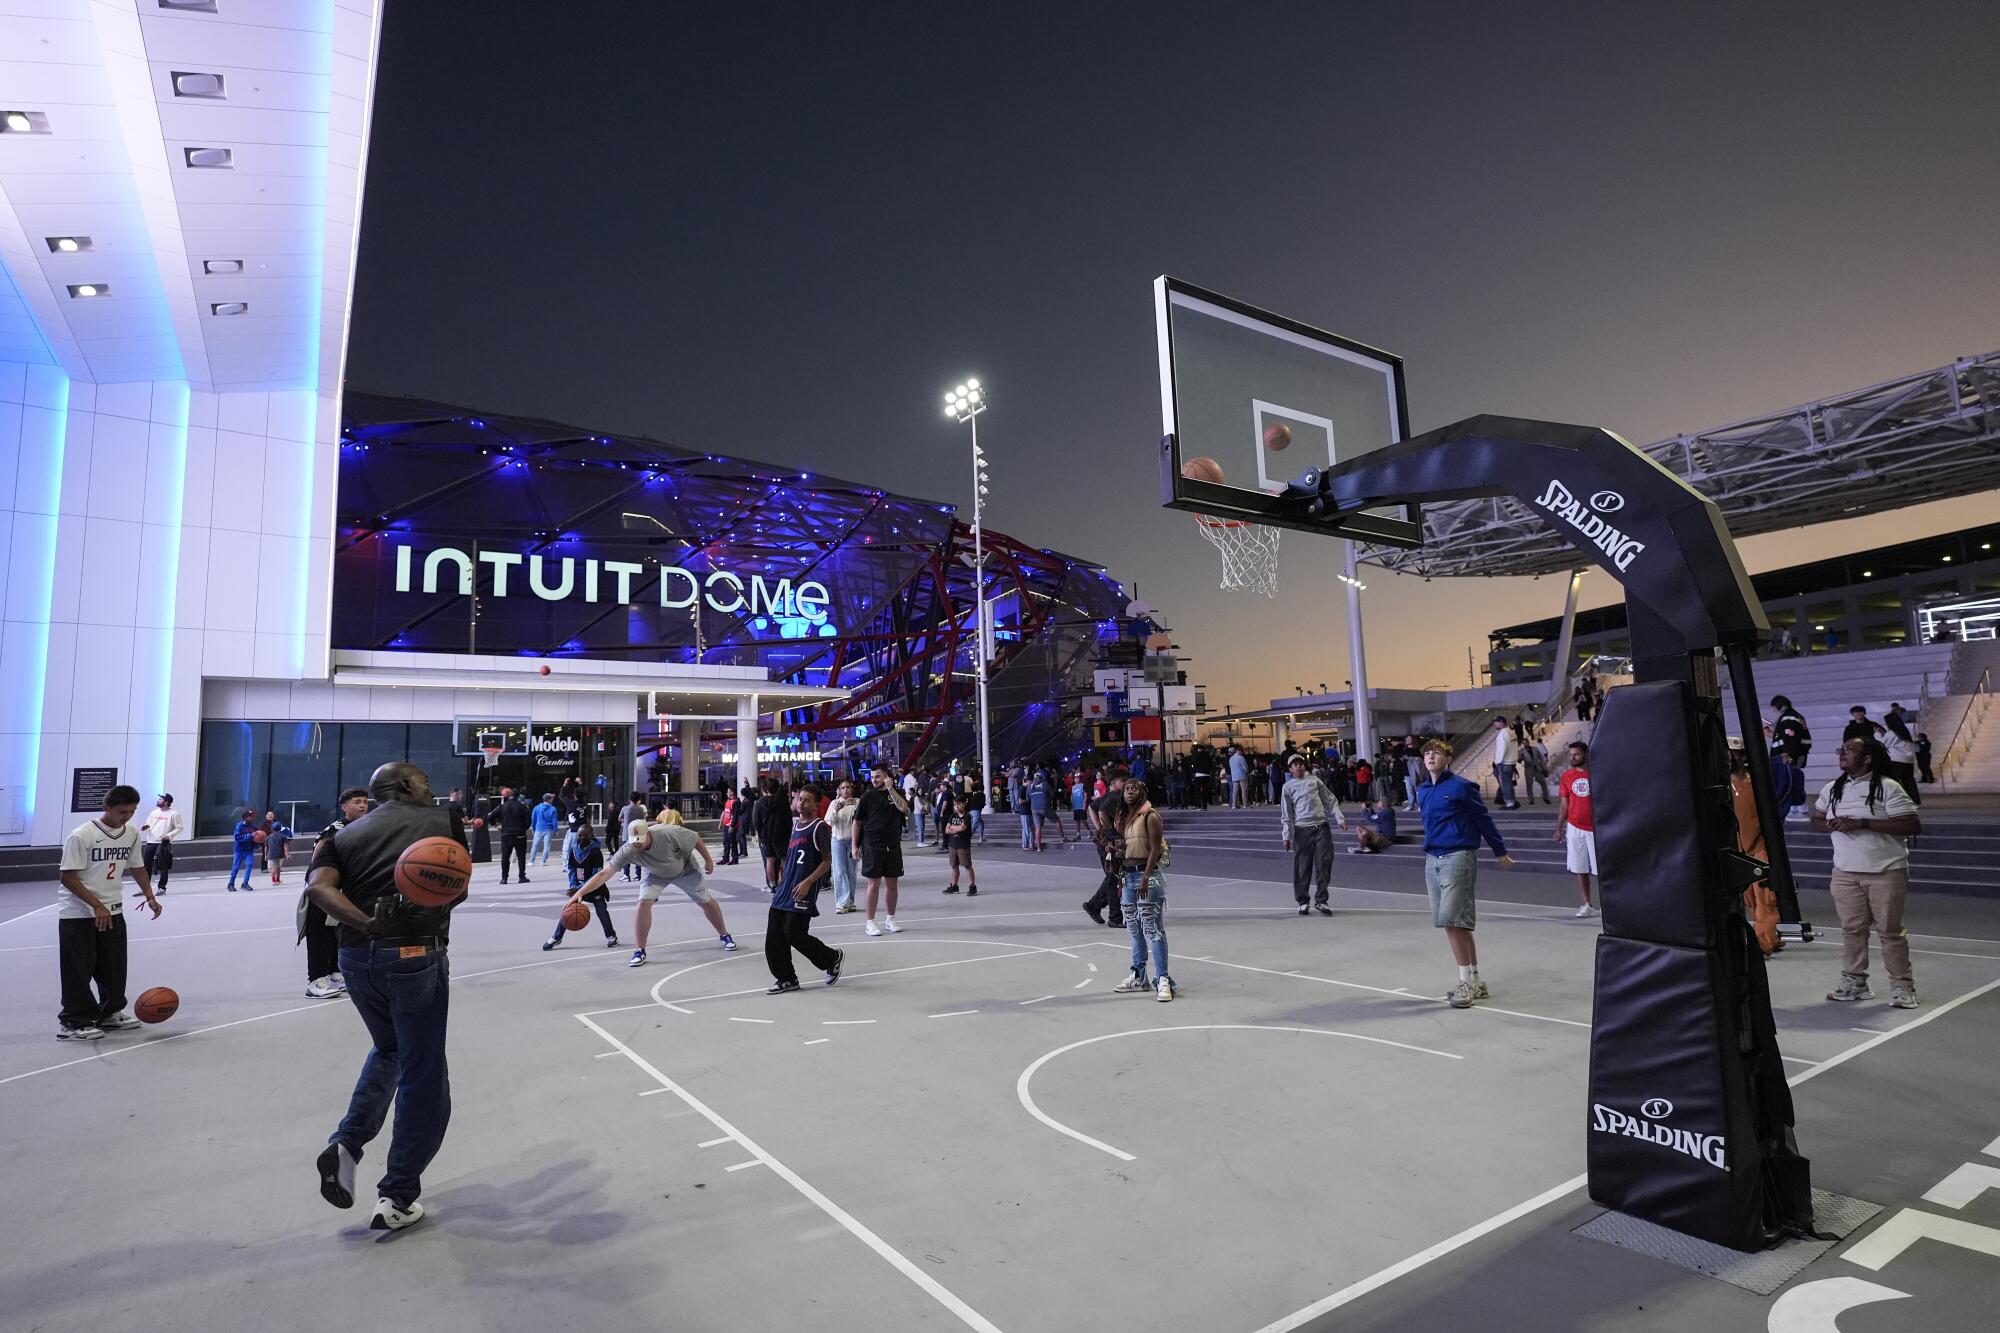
492 753
1249 553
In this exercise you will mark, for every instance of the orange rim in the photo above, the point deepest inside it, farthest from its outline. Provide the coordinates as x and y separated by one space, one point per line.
1208 522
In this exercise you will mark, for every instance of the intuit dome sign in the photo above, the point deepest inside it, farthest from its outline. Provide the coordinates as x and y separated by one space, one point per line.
560 578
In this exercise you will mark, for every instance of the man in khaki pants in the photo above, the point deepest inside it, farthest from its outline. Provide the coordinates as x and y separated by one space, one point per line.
1869 815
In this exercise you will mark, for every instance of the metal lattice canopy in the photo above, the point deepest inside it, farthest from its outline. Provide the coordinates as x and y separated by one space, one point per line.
1920 438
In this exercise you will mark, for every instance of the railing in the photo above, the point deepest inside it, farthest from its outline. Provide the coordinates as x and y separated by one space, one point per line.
1984 687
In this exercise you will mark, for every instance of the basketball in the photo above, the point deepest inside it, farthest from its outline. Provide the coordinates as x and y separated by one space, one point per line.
1277 435
479 823
1202 469
545 668
433 872
156 1005
575 916
260 837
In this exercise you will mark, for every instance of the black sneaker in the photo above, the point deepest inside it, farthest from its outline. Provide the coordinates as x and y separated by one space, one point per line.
1116 922
1323 909
833 973
951 888
782 987
1094 912
336 1175
972 891
1305 909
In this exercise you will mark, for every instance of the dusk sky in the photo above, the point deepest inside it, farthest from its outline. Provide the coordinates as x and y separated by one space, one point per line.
781 231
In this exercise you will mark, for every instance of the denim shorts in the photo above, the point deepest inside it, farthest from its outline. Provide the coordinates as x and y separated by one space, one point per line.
1448 879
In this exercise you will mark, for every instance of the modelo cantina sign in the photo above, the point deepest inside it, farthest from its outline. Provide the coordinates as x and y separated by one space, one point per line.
559 579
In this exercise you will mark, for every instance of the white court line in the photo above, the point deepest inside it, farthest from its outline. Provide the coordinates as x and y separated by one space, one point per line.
740 1165
734 1019
159 939
1091 966
726 1138
151 1042
956 1013
1027 1075
652 1092
845 1022
1038 999
1798 1059
844 976
930 1286
1520 1210
607 1055
1383 990
819 1041
1081 984
677 1009
25 915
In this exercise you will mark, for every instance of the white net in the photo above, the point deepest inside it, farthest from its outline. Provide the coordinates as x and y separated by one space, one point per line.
1249 553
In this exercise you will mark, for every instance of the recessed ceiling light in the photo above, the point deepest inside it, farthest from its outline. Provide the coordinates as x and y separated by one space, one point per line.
189 6
221 266
23 122
189 83
68 245
90 289
210 157
228 307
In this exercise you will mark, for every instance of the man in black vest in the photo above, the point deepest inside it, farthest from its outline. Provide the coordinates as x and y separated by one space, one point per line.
392 956
513 815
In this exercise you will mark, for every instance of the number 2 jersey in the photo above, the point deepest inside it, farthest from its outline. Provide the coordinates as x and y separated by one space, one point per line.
99 856
804 854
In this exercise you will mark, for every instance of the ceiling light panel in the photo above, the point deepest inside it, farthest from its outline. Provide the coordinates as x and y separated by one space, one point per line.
212 267
86 290
69 245
23 122
228 307
198 83
188 6
209 159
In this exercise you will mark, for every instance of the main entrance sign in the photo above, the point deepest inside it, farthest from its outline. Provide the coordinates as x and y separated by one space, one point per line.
566 578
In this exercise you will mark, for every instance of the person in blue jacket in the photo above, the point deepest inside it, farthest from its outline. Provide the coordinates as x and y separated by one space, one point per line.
544 819
245 858
1455 821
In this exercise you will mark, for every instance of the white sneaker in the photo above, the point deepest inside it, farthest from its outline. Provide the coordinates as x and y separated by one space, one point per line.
889 926
390 1216
321 988
81 1032
119 1022
1166 990
1585 910
337 981
869 927
1133 982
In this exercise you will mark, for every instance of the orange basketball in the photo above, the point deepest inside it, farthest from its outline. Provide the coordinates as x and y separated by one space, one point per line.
433 872
1202 469
156 1005
575 916
259 836
479 823
1277 435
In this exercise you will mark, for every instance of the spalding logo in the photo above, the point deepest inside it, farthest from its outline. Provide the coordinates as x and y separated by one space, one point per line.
1707 1148
1607 502
1657 1108
1620 548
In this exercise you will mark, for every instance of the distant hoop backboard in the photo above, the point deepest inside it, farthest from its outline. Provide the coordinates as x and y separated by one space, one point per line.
1267 398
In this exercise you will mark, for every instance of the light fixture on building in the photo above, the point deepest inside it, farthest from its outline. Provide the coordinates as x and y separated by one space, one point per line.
213 266
227 307
68 245
24 122
210 159
85 289
1867 573
189 6
189 83
1947 560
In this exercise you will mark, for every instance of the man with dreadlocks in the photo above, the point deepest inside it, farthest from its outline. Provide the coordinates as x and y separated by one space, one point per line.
1870 816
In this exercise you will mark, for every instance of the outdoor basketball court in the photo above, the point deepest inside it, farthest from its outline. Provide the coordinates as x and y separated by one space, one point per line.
970 1130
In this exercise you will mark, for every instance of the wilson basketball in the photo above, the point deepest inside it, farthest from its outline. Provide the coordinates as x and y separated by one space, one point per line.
575 916
433 872
156 1005
1202 469
1277 435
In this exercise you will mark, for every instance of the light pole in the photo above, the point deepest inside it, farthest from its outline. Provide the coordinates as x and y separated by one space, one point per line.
965 403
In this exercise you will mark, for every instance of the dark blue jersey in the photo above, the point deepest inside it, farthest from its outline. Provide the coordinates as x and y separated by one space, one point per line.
804 854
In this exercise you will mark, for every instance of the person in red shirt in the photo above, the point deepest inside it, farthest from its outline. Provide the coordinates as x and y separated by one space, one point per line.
1576 826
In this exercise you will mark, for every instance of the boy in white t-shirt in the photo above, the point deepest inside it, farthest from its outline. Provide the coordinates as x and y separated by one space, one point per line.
1870 816
90 918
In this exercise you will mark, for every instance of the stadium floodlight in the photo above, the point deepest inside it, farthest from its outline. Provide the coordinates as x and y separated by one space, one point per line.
965 403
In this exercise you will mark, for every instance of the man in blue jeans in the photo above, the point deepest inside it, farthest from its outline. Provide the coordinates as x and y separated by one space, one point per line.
544 820
245 855
392 955
1455 820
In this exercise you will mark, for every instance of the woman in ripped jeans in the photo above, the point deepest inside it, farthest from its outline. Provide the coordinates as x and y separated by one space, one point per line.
1144 898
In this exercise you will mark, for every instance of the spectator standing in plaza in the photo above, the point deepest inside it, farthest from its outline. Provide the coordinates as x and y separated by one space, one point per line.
1239 778
1788 781
878 845
1789 731
393 957
793 901
1202 770
543 821
1901 746
1040 799
632 812
1924 773
157 837
1079 803
277 844
583 859
1506 757
731 806
90 918
1576 824
1860 727
1306 807
1535 763
1107 813
772 818
840 821
514 820
244 857
941 797
1455 820
1144 896
913 796
322 940
958 846
1869 816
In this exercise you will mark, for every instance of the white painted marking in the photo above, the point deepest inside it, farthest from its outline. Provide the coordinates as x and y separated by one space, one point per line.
1038 999
607 1055
1897 1031
1081 984
1963 1185
156 939
1873 1032
1814 1307
1027 1075
726 1138
1910 1225
930 1286
25 915
652 1092
1091 966
819 1041
148 1043
845 1022
1798 1060
742 1166
1383 990
1940 953
956 1013
677 1009
734 1019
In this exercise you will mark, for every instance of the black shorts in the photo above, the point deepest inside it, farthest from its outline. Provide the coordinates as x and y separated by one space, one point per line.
881 860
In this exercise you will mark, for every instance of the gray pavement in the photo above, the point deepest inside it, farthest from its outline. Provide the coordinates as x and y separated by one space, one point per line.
969 1131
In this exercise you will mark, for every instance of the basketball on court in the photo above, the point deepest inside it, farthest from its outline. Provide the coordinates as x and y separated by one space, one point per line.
1202 469
575 916
433 872
1277 435
156 1005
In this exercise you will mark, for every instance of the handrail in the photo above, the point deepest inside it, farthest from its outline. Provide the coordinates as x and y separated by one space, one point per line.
1985 686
